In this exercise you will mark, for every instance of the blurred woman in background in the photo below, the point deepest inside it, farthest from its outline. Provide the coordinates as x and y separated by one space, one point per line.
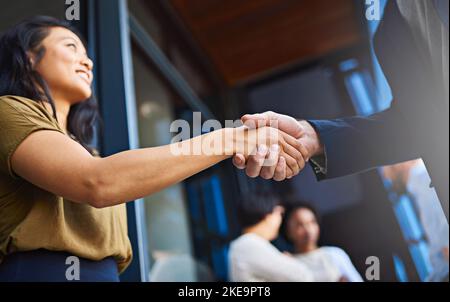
302 229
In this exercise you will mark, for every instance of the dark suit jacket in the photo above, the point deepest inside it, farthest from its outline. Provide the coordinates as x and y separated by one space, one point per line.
416 125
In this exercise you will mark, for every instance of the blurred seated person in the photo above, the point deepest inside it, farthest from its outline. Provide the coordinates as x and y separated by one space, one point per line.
252 258
411 178
301 228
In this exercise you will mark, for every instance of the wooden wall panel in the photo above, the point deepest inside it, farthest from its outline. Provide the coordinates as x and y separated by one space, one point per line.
245 39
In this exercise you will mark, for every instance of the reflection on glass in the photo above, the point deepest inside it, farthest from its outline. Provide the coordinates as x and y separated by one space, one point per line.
166 215
421 217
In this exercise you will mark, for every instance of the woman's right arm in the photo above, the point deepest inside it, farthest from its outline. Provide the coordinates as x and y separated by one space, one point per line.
54 162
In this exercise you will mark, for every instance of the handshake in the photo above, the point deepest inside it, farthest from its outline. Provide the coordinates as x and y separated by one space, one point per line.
284 146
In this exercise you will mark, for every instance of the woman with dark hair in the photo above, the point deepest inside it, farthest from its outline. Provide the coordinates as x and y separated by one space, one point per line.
57 198
301 228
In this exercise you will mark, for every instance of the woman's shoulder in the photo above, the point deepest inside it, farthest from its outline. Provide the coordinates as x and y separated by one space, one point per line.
249 240
335 251
12 106
20 104
21 114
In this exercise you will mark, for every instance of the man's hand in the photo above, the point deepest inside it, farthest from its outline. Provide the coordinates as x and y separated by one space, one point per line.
310 146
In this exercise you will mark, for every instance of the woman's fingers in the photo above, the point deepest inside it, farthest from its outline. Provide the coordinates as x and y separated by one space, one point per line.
255 166
255 162
239 161
267 163
270 164
280 170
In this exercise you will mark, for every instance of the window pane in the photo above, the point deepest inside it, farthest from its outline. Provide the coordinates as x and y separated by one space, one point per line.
167 222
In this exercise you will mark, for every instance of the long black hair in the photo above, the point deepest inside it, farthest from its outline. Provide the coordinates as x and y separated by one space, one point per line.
255 206
17 76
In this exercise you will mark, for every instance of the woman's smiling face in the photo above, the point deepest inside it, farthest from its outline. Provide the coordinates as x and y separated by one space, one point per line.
65 66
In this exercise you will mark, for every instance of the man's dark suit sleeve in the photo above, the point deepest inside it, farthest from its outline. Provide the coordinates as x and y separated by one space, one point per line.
402 132
355 144
416 125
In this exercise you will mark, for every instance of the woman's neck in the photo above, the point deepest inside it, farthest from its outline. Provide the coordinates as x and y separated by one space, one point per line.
301 249
260 230
62 112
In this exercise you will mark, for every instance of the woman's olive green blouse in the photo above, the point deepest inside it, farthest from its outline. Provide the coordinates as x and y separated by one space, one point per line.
32 218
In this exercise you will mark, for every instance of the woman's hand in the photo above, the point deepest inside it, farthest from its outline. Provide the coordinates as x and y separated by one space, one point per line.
249 142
